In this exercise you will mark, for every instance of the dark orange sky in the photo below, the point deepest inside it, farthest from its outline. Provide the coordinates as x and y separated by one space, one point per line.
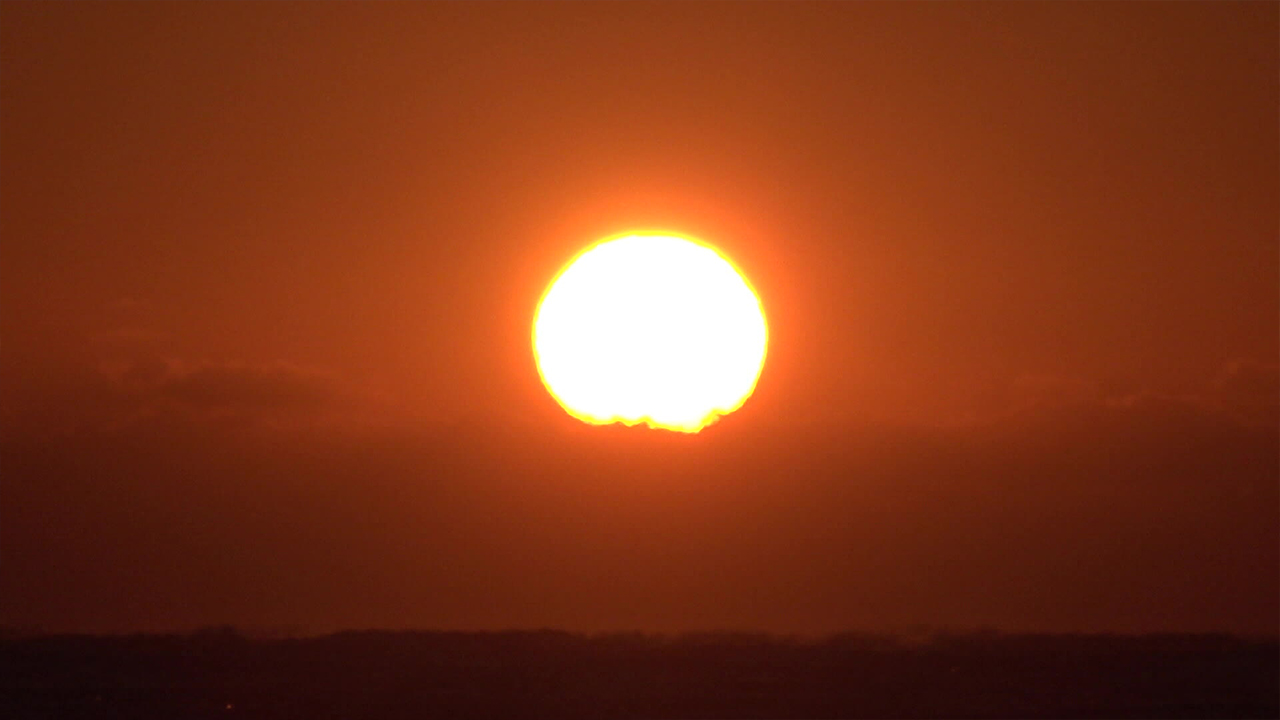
267 273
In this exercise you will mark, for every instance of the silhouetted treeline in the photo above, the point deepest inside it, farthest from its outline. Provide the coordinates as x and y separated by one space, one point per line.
558 674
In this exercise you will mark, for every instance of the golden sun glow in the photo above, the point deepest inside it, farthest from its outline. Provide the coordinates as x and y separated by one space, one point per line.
652 328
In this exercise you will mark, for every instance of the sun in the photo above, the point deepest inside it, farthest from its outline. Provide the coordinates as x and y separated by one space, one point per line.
650 328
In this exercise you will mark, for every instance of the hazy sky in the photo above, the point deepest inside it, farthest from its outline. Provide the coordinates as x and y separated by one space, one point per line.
267 274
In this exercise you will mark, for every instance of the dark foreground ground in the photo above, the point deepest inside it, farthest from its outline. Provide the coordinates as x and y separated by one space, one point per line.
553 674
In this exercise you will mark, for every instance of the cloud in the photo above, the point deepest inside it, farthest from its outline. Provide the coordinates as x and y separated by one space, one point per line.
1250 390
233 387
1245 391
1137 513
166 390
1076 510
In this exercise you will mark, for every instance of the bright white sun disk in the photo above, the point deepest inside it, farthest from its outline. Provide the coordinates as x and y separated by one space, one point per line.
650 328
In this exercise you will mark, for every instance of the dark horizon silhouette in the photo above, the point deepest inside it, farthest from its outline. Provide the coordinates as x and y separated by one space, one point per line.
216 672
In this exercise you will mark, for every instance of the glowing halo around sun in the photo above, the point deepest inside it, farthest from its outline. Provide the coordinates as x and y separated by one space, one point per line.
650 328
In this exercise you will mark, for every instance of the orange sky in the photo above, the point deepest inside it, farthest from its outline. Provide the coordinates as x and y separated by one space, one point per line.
267 273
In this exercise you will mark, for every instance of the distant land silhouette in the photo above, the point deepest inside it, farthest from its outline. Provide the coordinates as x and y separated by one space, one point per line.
221 673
